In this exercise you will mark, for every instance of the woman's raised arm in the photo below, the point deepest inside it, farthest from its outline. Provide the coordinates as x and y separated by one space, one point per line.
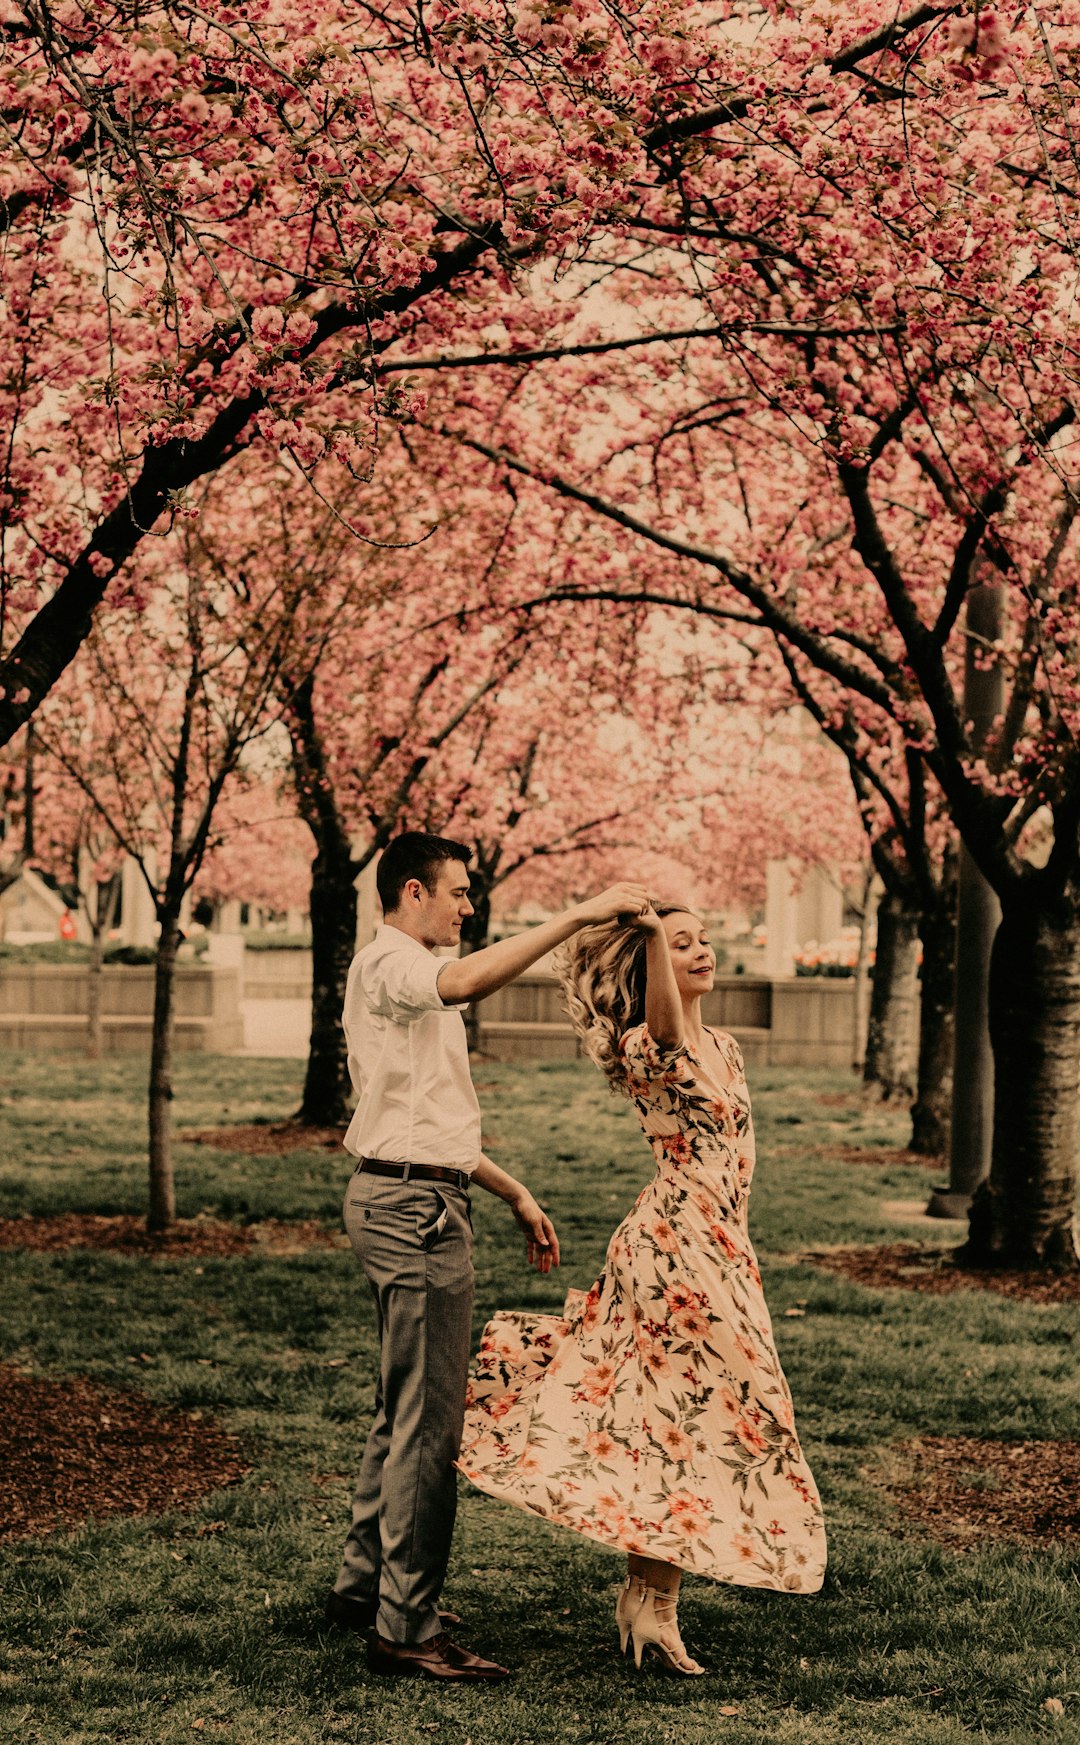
663 1007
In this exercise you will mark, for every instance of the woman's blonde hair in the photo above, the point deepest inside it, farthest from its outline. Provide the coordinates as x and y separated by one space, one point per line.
602 974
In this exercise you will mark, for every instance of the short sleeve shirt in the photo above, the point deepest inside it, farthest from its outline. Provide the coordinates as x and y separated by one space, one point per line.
408 1059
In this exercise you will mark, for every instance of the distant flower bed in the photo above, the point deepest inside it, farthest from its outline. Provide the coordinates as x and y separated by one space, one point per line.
824 969
71 952
269 941
47 951
837 957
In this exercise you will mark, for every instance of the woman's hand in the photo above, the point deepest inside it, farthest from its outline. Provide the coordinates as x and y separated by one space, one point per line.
541 1242
649 921
624 901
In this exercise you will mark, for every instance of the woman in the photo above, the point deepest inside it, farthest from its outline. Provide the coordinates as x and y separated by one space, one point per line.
654 1416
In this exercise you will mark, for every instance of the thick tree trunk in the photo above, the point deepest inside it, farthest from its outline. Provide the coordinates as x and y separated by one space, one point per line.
327 1086
162 1211
1024 1215
890 1041
932 1108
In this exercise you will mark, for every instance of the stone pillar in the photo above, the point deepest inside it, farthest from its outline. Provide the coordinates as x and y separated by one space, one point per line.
227 916
226 951
781 920
820 907
138 919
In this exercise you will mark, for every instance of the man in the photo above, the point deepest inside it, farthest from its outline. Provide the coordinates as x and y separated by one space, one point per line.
416 1132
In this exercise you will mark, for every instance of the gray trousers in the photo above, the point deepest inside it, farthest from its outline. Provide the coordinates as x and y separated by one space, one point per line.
414 1242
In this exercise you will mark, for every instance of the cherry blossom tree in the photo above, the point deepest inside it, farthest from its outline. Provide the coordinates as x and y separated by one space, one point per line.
74 843
259 851
152 727
871 422
218 220
871 415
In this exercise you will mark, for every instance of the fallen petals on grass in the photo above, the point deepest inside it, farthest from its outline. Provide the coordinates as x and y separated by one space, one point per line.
72 1451
913 1266
127 1234
966 1489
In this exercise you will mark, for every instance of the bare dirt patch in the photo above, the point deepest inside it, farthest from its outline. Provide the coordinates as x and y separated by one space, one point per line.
965 1489
72 1451
268 1138
194 1237
879 1156
913 1266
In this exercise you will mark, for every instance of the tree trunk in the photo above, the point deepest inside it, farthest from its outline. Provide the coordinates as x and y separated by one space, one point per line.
474 936
327 1085
93 993
932 1109
860 1017
890 1042
1024 1215
101 920
162 1211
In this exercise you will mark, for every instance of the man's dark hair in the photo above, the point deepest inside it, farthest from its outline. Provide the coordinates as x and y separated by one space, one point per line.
414 855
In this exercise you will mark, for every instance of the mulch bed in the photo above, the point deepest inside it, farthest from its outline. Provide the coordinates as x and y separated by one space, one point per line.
880 1156
71 1451
194 1237
965 1489
914 1266
268 1138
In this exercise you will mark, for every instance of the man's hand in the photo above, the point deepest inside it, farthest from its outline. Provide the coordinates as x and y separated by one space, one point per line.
541 1242
626 900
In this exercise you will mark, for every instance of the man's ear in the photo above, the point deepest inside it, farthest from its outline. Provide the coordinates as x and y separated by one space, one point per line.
413 889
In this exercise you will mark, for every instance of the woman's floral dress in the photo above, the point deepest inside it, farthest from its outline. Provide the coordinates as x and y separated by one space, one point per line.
654 1415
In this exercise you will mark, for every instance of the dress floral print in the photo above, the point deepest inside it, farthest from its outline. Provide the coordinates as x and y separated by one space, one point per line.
653 1415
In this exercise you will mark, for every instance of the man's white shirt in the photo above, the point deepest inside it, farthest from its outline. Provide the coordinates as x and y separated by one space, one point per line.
408 1059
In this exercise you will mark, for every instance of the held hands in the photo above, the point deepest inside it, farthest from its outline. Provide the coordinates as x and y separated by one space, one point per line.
624 901
541 1242
649 921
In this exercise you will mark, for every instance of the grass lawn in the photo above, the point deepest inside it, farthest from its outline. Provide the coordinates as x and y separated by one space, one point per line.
209 1624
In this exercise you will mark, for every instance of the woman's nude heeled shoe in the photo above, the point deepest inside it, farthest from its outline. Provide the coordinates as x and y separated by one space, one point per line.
655 1618
627 1606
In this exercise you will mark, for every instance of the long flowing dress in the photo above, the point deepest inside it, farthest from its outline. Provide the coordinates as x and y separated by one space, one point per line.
653 1415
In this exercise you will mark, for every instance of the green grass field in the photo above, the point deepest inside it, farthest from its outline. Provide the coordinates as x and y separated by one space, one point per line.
146 1630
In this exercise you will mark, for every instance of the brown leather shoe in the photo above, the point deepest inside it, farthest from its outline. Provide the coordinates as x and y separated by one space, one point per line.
343 1613
438 1657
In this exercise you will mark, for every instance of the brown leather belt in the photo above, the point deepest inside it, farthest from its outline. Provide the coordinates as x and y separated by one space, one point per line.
426 1172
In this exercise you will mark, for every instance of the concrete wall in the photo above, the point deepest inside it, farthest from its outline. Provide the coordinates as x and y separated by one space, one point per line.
277 975
44 1006
813 1021
806 1021
801 1022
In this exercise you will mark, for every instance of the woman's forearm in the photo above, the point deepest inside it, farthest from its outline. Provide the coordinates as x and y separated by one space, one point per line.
663 1007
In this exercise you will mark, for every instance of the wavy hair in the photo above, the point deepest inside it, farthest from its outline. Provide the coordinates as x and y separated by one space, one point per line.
602 972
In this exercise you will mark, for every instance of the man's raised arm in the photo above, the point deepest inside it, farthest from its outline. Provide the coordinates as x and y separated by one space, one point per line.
472 977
